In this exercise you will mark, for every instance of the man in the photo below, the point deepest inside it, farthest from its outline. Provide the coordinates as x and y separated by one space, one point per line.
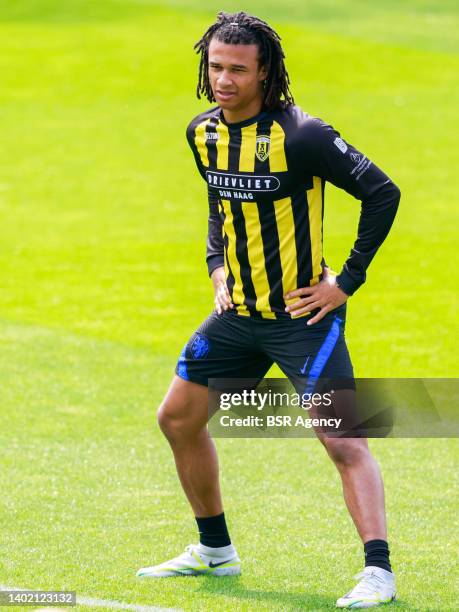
265 162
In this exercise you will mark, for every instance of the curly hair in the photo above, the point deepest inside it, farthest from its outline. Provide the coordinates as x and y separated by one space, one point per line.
243 29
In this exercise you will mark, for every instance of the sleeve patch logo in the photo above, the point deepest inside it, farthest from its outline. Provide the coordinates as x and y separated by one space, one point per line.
339 142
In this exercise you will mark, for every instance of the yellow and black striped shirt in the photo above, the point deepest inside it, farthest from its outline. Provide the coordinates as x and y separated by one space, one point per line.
266 178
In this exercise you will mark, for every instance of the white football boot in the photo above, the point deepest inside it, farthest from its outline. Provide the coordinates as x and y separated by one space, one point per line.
376 586
197 560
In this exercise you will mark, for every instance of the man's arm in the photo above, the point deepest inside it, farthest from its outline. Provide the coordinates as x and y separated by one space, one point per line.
215 253
376 217
335 160
215 256
344 166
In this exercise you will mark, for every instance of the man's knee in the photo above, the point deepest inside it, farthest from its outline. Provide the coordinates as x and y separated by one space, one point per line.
183 413
346 452
172 424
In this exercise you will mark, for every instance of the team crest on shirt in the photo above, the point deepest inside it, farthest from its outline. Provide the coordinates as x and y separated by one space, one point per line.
262 147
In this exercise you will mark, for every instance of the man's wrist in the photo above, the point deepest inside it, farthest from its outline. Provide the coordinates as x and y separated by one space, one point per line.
214 262
346 283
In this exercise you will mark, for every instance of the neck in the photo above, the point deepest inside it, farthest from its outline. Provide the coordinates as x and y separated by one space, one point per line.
238 115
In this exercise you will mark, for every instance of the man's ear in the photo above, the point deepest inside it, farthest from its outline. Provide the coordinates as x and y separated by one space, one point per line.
263 74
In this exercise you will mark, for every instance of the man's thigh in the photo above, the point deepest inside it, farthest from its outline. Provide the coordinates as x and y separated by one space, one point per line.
311 356
316 360
222 347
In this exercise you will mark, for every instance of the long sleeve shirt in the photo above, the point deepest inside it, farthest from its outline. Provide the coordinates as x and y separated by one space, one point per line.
266 191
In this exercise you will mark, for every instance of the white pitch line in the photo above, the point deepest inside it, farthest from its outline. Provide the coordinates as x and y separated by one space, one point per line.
101 603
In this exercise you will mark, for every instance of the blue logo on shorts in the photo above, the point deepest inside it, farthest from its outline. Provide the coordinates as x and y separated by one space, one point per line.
199 347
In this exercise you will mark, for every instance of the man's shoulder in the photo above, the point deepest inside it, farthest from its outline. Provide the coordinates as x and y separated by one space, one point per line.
303 132
207 114
297 122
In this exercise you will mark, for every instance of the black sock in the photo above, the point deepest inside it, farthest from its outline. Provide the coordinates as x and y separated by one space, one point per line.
213 531
377 554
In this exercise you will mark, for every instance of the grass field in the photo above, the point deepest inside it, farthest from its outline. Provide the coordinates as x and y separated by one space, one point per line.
103 218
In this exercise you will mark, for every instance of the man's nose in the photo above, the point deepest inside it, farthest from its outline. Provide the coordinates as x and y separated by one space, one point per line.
224 78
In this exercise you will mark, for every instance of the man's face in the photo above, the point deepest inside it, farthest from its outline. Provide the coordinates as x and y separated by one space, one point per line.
235 76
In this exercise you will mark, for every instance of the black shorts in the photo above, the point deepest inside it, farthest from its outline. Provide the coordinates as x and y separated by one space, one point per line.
230 346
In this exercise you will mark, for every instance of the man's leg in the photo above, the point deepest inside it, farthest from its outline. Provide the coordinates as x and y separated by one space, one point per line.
221 348
362 485
182 418
364 496
317 355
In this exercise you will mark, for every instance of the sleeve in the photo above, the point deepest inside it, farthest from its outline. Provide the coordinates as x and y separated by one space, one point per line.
215 247
190 136
338 162
215 257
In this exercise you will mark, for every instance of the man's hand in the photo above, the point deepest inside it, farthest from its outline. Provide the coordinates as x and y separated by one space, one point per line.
326 295
222 297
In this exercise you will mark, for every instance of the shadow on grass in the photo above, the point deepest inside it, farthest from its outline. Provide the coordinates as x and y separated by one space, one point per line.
280 600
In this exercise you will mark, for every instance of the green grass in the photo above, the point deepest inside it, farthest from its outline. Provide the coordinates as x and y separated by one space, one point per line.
102 220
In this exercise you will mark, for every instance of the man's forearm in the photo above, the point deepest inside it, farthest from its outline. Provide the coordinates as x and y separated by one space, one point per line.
376 218
214 261
215 247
